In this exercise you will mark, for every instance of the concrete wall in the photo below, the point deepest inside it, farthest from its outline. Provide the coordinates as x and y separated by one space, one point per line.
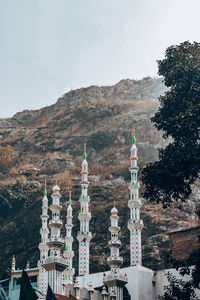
143 283
139 281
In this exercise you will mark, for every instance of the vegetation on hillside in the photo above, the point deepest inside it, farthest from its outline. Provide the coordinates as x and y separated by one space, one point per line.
5 158
169 179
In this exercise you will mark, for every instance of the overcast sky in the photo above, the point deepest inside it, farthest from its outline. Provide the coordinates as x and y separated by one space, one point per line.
50 46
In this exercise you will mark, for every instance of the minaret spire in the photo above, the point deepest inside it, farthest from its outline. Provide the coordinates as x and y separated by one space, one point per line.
115 280
55 264
84 235
114 260
68 253
84 147
135 225
43 247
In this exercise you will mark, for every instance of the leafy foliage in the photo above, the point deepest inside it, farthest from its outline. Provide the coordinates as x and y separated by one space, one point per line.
179 118
179 288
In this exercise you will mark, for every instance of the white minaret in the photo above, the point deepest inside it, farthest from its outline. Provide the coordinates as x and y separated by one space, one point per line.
68 253
135 225
115 281
84 235
44 231
114 260
55 263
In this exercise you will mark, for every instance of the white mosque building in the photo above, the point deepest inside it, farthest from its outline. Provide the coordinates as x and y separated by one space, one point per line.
55 266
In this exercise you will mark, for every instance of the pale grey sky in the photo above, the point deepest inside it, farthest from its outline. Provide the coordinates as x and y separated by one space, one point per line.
50 46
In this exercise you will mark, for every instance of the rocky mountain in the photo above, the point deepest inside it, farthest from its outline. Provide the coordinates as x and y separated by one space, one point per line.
48 144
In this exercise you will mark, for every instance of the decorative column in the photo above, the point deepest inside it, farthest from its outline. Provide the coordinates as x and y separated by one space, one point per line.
113 295
114 260
135 225
115 281
55 263
68 253
84 235
104 293
77 289
91 291
44 231
13 263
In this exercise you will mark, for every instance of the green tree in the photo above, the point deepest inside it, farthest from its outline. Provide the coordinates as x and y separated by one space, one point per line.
178 166
181 289
178 289
170 178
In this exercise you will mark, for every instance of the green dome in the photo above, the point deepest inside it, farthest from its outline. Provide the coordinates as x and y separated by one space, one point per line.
133 140
84 155
45 192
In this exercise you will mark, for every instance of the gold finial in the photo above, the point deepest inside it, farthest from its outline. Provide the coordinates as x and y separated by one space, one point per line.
56 181
133 131
85 147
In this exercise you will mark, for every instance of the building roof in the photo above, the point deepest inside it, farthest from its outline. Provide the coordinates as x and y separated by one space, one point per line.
62 297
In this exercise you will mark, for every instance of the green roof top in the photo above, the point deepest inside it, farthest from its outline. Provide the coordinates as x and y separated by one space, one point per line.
45 192
133 139
84 155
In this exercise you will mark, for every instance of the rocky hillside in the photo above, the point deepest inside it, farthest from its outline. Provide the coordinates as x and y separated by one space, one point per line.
48 144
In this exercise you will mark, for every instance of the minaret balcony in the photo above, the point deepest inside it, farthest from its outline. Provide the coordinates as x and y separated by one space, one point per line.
114 229
134 168
118 279
115 261
55 263
134 203
135 224
69 226
84 182
55 242
55 224
55 207
113 244
84 236
84 216
43 216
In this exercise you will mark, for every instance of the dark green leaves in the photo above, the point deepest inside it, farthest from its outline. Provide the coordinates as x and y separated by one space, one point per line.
179 118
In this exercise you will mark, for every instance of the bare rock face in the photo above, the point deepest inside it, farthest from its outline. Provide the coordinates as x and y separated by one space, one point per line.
48 142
